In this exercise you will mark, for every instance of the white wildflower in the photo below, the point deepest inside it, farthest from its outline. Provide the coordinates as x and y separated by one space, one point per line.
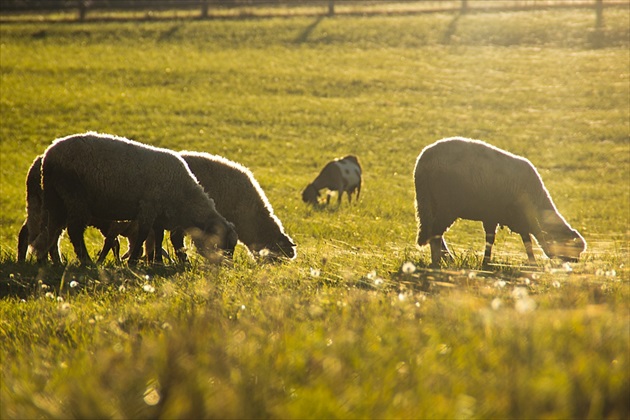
74 284
408 267
525 305
496 304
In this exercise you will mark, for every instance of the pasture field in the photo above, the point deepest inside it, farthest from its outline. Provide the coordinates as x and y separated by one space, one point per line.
349 329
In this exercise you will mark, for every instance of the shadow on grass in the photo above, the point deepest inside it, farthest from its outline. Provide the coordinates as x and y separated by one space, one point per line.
306 33
24 280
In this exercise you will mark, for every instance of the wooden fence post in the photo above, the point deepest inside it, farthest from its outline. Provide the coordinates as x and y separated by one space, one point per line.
599 13
82 10
331 7
204 9
464 6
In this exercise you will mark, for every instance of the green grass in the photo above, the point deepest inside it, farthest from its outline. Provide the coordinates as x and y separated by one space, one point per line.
342 331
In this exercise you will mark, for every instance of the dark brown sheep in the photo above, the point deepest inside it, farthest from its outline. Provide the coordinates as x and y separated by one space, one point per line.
470 179
92 175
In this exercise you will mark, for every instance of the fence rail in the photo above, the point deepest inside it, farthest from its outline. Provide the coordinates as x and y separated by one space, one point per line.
216 8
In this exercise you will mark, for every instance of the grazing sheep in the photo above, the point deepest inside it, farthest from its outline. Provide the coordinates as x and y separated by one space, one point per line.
33 224
241 200
470 179
341 175
92 175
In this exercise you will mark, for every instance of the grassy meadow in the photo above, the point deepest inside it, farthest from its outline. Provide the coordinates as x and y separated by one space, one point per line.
357 326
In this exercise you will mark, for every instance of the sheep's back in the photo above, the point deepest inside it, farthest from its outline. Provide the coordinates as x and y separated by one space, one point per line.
116 175
472 179
236 193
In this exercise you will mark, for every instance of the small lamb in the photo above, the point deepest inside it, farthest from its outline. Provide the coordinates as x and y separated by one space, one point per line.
469 179
341 175
91 175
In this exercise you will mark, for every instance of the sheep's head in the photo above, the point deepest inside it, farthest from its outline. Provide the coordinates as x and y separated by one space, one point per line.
281 249
216 241
310 195
566 245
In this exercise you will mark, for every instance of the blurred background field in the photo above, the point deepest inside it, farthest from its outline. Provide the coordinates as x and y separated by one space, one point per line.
342 331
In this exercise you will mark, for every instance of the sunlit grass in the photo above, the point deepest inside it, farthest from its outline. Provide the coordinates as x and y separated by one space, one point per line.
358 325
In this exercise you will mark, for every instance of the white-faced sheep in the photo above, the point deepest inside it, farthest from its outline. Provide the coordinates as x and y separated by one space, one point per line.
341 175
241 200
112 178
33 224
470 179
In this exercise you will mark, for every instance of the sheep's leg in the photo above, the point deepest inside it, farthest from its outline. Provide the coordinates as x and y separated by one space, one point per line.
76 229
436 251
491 229
22 243
439 251
177 239
136 248
527 241
113 244
155 238
55 256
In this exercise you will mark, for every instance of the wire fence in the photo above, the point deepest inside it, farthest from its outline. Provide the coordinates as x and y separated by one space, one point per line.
205 9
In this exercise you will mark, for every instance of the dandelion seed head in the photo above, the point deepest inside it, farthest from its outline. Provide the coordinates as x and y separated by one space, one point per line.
148 288
264 252
525 305
519 293
402 297
121 288
65 307
371 275
151 396
496 304
378 281
74 284
472 275
408 267
59 299
166 326
315 272
556 284
50 295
